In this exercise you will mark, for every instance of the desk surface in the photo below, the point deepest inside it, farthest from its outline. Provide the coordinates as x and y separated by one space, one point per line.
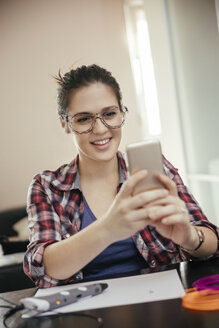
162 314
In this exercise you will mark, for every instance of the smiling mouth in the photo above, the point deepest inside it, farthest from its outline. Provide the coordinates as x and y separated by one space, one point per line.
101 142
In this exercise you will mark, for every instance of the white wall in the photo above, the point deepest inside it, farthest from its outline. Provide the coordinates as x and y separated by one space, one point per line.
171 139
194 32
185 47
196 51
38 38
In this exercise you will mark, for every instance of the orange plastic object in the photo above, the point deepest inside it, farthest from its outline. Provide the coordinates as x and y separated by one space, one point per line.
204 300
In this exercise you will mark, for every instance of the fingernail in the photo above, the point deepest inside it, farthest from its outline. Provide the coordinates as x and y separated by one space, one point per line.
150 215
144 173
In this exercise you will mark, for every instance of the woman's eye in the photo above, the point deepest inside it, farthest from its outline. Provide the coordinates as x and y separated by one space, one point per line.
84 119
110 114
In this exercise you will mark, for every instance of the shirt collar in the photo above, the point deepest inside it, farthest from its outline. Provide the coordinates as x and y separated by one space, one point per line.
67 177
122 168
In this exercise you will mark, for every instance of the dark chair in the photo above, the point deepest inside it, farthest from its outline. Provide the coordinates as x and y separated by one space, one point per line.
12 276
8 218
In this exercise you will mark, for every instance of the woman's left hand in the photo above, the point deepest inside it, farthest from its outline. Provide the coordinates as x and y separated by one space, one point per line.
170 217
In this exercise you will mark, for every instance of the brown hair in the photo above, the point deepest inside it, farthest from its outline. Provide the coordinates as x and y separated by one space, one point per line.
80 77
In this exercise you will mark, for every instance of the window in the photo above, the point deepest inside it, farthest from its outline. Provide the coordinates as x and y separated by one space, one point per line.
142 67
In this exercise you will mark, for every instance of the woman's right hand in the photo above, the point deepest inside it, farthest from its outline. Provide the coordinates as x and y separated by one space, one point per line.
128 212
126 216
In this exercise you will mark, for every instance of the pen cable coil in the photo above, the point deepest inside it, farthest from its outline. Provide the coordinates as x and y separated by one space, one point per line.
204 295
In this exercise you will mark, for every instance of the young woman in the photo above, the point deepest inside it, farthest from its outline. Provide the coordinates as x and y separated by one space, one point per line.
85 222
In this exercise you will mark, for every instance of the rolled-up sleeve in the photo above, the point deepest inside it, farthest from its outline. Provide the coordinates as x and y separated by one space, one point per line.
45 229
196 215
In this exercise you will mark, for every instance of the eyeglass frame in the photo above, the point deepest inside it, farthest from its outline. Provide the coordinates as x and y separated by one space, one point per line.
122 109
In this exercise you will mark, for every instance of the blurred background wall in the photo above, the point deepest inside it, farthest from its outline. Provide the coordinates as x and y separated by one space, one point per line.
40 36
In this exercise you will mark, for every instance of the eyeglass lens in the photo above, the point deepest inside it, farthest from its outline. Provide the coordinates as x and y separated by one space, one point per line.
82 122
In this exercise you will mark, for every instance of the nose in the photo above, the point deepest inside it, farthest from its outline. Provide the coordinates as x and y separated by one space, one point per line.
98 126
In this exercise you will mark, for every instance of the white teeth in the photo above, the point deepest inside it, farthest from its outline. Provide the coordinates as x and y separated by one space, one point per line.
101 142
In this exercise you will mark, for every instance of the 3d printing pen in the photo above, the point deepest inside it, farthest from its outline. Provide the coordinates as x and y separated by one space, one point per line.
62 298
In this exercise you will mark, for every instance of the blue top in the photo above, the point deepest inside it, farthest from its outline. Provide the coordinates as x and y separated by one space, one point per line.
119 257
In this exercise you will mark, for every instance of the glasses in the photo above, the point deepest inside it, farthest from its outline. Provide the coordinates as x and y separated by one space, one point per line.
111 117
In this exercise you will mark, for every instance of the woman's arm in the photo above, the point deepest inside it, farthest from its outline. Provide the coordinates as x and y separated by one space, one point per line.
125 217
67 257
209 245
171 219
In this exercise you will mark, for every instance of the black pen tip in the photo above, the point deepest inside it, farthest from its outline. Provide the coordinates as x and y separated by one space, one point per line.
104 286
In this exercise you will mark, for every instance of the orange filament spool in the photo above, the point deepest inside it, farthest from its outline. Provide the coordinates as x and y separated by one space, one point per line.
203 300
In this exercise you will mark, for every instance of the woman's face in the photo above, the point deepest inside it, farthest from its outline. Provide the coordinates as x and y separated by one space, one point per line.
101 144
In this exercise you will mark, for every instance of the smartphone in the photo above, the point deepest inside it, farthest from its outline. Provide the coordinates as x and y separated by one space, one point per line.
146 155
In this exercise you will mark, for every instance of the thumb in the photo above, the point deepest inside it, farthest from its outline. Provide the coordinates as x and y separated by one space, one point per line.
130 184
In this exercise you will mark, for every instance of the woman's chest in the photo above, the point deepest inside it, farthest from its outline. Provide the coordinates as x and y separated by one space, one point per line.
99 198
100 201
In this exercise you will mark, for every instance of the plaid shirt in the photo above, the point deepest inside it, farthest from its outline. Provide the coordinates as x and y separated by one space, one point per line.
55 208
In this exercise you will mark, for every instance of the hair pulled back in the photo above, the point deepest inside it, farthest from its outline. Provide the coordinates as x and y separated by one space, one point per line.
81 77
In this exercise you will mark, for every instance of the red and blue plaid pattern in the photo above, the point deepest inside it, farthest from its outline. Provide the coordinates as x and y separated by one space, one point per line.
55 208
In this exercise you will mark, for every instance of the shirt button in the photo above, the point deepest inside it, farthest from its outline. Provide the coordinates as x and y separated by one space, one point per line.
153 263
78 276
